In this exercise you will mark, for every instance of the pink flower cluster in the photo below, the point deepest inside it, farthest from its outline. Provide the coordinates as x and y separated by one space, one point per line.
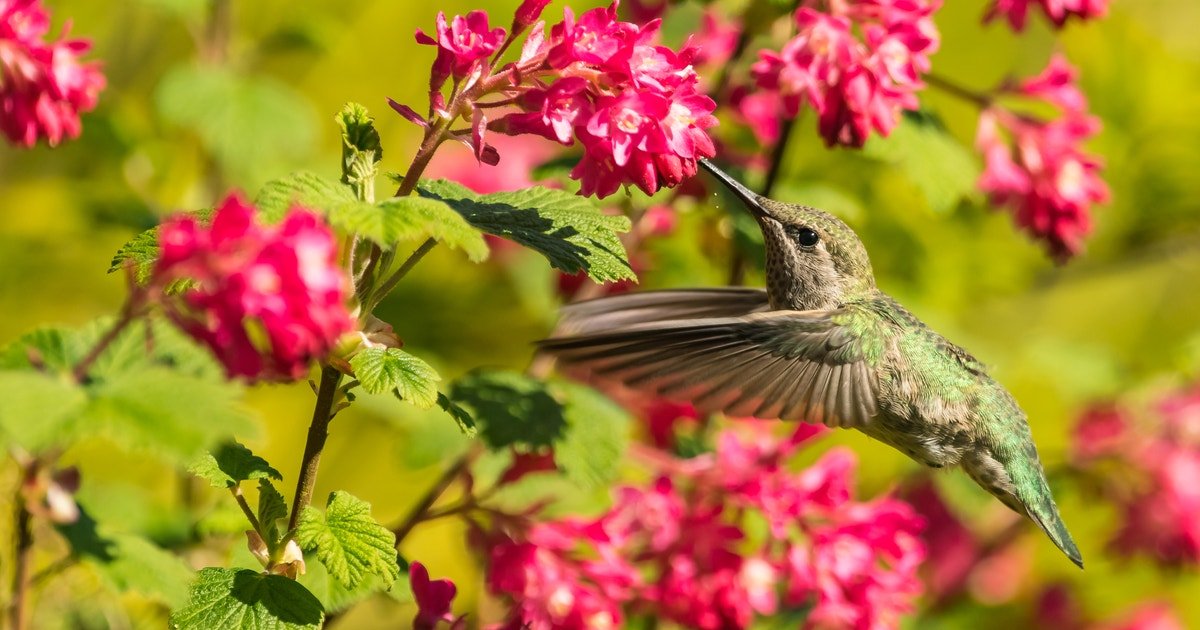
632 104
434 598
43 85
681 549
267 300
1016 12
1058 608
1148 467
1044 174
857 83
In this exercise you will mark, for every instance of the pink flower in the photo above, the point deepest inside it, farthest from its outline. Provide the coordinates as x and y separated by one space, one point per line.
44 87
463 43
1046 177
553 112
717 39
528 13
1152 616
1016 12
1056 85
953 549
433 597
595 39
855 86
662 417
1103 431
267 300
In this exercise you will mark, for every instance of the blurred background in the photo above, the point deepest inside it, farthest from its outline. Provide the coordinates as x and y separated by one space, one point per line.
204 97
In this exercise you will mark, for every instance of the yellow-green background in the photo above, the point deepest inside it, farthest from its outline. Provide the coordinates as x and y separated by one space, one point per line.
1121 320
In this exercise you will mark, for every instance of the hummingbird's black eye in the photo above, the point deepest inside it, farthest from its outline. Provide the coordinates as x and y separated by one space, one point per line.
806 237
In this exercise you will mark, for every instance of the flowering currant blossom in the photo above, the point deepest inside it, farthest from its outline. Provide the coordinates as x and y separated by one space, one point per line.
1157 460
1016 12
433 598
266 300
678 549
43 85
857 83
1045 176
633 105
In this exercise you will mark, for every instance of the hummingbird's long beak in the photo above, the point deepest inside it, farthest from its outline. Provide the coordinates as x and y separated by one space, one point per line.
752 199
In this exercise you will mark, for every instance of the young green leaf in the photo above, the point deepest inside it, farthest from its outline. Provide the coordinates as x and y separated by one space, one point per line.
272 510
511 409
466 423
39 410
141 251
350 543
596 437
569 230
304 189
358 132
400 219
392 369
230 464
335 597
233 599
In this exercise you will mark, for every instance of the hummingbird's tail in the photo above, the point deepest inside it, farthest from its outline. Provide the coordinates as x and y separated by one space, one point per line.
1019 482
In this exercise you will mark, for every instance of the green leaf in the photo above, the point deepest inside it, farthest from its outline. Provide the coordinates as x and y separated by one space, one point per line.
392 369
250 124
39 410
272 512
361 149
166 413
466 423
400 219
937 164
511 409
335 597
232 464
569 230
305 189
350 543
233 599
596 437
141 251
55 348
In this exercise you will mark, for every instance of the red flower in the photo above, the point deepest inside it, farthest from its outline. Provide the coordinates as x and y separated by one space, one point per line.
1057 11
462 43
43 85
1056 85
553 112
433 597
267 300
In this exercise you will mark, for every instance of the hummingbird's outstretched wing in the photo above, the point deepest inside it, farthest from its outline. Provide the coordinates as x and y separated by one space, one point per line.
794 365
619 311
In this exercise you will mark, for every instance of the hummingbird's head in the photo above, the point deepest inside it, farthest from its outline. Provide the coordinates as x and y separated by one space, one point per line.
814 260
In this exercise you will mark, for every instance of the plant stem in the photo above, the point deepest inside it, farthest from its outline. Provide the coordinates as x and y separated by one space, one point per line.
395 278
236 491
318 432
23 551
419 511
950 87
79 372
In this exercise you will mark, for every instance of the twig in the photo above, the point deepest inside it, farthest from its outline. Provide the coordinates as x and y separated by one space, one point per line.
236 491
318 432
950 87
395 278
80 371
23 551
421 509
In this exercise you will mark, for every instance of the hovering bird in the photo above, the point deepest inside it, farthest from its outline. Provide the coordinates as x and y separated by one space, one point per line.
821 344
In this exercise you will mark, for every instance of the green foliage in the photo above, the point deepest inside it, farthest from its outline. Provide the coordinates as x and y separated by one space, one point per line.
937 164
39 410
166 413
569 230
247 123
596 437
232 464
141 251
272 510
361 149
511 409
335 597
386 223
465 422
383 370
234 599
351 544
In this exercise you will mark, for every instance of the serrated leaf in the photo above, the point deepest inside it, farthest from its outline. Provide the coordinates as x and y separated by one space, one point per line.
569 230
54 348
937 164
335 597
596 437
381 370
40 410
272 510
400 219
233 599
358 131
510 409
231 464
304 189
466 423
248 123
166 413
350 543
141 251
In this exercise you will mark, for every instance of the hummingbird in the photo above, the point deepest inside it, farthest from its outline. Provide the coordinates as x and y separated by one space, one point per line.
821 344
